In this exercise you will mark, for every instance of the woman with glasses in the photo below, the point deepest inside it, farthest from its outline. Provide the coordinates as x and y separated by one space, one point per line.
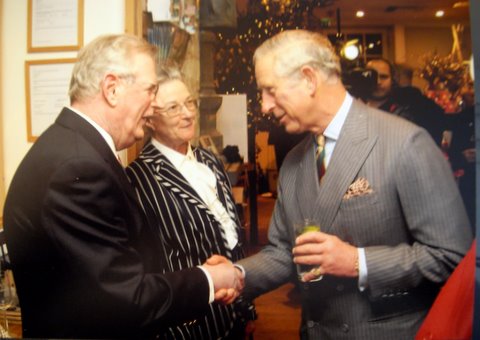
185 191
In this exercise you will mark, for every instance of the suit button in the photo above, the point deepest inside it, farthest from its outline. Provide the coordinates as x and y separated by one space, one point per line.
310 324
345 328
340 288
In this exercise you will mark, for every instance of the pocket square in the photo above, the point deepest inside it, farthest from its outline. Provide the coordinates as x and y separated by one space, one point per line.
359 187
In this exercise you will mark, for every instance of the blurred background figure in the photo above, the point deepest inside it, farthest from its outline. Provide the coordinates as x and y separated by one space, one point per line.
187 196
462 153
405 101
404 75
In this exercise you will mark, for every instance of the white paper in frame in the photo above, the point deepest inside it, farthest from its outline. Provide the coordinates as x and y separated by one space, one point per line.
55 25
46 87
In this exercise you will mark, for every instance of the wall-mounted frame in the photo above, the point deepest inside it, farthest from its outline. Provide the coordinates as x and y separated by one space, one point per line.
206 142
46 87
55 25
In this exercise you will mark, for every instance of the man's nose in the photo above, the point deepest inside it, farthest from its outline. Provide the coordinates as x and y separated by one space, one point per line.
268 103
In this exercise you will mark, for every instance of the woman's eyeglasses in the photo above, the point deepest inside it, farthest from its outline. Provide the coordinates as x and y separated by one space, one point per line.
175 109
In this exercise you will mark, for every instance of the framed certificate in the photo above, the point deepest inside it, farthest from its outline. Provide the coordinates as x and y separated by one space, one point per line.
55 25
46 86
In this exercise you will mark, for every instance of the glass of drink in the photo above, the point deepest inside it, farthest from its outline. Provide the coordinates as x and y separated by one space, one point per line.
305 226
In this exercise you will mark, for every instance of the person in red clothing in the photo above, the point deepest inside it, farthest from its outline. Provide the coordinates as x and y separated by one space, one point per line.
451 315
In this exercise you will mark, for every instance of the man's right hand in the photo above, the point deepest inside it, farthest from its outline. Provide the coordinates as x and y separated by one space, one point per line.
227 280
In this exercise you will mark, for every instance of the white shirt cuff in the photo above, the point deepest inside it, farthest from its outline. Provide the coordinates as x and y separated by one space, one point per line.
211 296
362 270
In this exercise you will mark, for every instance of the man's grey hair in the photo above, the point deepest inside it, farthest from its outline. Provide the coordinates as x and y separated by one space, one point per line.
293 49
106 54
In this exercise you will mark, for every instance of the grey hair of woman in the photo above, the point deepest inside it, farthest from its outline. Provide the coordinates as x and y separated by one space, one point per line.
106 54
168 72
293 49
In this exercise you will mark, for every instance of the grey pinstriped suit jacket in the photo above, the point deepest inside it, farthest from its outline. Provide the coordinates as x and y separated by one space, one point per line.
412 225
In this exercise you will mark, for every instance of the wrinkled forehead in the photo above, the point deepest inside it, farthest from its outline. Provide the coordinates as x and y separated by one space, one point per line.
265 73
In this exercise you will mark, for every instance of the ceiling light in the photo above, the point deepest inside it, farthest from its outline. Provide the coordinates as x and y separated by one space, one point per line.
360 14
350 50
439 14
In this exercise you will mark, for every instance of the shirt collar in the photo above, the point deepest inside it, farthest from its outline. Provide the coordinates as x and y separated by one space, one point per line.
106 136
175 157
333 129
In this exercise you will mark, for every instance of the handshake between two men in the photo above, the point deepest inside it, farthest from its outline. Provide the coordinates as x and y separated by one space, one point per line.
228 280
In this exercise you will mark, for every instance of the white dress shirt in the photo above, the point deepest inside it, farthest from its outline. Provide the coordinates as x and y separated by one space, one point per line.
203 180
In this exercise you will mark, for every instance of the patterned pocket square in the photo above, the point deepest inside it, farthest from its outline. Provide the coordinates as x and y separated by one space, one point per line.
360 187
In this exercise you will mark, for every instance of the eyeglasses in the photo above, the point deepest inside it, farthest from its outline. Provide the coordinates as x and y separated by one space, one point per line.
175 109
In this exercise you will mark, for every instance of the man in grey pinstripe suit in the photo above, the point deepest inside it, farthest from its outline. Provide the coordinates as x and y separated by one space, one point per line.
393 226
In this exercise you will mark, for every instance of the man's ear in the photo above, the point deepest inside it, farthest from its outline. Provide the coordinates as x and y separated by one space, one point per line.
310 76
110 88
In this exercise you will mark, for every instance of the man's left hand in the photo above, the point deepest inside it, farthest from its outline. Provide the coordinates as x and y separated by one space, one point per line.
328 253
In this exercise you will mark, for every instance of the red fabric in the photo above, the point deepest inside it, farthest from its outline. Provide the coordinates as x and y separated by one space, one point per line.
451 315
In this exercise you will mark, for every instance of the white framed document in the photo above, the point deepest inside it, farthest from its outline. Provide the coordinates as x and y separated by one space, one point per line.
55 25
46 87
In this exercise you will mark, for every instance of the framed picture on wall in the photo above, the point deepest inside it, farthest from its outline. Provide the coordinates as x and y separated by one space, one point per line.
46 87
55 25
206 142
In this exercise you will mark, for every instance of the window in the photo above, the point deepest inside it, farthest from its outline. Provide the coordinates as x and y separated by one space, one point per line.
371 43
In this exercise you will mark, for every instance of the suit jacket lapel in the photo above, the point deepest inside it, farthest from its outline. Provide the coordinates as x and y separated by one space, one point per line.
170 176
223 189
351 150
176 183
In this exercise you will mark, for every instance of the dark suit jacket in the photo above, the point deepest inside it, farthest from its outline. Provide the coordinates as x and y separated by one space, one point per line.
412 225
85 260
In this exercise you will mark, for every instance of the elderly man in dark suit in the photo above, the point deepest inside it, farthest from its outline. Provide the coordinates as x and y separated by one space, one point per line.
393 226
85 260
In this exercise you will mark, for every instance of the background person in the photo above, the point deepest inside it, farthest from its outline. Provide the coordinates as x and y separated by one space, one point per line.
462 152
392 219
85 260
405 101
186 190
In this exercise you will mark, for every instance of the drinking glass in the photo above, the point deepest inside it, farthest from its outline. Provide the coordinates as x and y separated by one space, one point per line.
305 226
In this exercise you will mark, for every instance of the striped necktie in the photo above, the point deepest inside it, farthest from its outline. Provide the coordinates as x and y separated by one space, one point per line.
320 156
